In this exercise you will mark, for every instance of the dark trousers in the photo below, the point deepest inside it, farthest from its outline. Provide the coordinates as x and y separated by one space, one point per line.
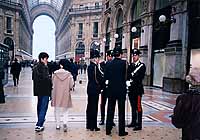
16 79
111 112
103 104
42 107
136 107
91 111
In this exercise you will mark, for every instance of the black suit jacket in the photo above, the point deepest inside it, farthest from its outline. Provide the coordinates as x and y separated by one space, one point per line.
115 73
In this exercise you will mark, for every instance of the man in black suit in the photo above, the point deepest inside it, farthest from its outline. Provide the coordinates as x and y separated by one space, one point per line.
109 57
136 73
115 76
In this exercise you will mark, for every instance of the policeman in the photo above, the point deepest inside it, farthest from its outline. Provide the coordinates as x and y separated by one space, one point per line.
109 57
115 76
95 80
136 73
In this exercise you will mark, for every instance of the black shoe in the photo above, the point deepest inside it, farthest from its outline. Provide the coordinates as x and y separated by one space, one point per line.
113 124
131 125
123 134
95 129
101 122
137 128
108 132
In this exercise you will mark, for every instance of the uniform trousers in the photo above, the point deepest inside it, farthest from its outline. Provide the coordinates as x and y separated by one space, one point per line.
111 112
103 104
91 111
136 107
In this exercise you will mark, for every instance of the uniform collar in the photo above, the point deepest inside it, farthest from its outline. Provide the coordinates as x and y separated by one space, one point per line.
137 63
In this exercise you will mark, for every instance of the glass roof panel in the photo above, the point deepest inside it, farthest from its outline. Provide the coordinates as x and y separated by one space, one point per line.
57 4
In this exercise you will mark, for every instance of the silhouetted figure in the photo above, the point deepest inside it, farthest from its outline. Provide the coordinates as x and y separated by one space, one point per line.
2 97
15 71
84 68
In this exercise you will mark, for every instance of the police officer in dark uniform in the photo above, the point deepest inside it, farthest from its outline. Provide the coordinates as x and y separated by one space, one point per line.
136 73
109 57
115 76
95 80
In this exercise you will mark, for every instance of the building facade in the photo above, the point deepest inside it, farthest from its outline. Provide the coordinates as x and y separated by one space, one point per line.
162 30
15 28
80 30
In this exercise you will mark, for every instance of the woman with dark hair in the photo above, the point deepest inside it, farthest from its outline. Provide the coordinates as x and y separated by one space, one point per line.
61 94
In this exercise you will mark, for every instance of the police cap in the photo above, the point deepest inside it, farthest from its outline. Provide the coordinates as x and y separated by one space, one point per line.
135 52
109 53
94 53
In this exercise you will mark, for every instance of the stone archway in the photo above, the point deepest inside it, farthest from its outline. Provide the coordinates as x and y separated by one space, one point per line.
44 9
9 41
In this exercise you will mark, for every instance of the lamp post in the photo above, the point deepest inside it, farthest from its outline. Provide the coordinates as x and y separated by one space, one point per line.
163 19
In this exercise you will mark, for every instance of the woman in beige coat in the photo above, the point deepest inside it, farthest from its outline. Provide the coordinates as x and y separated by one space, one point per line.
61 93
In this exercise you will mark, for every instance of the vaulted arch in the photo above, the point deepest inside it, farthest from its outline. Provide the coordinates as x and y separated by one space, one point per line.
44 9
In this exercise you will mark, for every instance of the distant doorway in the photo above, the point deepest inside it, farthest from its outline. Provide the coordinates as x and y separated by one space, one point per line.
80 52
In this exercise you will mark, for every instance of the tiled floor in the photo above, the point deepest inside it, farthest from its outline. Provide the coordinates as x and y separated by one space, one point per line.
18 115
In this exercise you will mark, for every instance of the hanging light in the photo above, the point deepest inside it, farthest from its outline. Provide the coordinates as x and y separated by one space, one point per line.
162 18
133 29
116 36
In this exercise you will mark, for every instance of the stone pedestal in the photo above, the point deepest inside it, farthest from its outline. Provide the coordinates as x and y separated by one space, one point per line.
173 80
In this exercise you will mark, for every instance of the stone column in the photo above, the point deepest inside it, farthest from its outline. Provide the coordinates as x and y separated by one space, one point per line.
174 74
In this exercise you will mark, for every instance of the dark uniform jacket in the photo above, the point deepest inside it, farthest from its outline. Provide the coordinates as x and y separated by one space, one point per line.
42 84
136 75
95 79
115 73
186 115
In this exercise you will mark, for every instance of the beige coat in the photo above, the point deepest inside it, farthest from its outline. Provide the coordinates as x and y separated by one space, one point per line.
62 85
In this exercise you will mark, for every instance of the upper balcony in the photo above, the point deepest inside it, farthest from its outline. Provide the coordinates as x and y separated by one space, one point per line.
86 10
11 4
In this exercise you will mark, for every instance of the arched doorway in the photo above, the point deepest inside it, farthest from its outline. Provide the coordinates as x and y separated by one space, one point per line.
80 52
8 41
160 39
119 28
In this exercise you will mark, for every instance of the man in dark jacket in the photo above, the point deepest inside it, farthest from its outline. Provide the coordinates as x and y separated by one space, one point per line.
109 57
95 80
42 86
15 71
115 76
136 73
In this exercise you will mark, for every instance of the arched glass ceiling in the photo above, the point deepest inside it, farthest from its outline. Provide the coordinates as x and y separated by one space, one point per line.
57 4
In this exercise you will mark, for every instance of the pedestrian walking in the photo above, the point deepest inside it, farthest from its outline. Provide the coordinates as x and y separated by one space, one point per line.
95 80
84 67
136 73
115 76
186 112
42 86
61 94
15 71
